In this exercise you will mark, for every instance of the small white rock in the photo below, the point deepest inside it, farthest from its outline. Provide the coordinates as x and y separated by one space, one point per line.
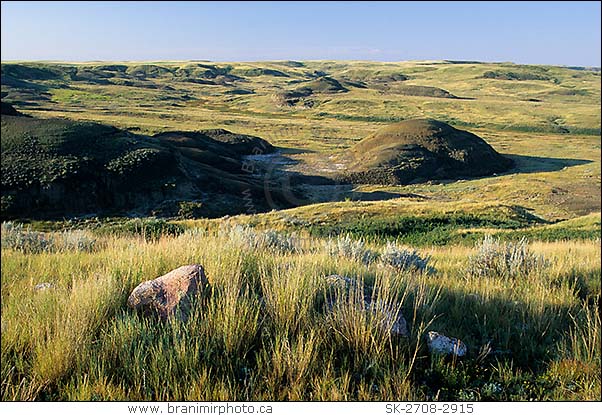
440 344
43 286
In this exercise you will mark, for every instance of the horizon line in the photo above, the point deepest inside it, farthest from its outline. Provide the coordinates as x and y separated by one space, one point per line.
457 61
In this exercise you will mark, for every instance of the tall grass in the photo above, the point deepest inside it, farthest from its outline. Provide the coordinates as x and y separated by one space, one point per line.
265 331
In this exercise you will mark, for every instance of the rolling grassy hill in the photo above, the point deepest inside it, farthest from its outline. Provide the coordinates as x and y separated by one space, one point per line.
547 120
54 167
513 255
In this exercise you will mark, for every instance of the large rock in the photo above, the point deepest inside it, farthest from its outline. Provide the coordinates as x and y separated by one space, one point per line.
169 293
440 344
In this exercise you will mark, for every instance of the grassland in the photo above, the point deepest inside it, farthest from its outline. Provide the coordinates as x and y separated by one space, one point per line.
550 127
263 334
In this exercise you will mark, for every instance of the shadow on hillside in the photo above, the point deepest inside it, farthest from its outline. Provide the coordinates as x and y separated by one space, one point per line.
381 195
313 186
533 164
309 189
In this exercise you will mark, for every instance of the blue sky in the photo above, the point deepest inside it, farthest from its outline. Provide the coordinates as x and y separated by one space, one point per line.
560 33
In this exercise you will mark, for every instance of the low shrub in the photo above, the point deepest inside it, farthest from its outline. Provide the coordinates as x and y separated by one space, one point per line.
271 240
148 228
495 258
350 248
19 238
404 259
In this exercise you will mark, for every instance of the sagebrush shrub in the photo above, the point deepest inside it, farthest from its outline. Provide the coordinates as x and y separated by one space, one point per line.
271 240
77 240
495 258
280 242
350 248
404 259
15 236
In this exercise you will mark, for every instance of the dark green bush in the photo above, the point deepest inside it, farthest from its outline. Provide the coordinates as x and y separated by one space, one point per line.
149 228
